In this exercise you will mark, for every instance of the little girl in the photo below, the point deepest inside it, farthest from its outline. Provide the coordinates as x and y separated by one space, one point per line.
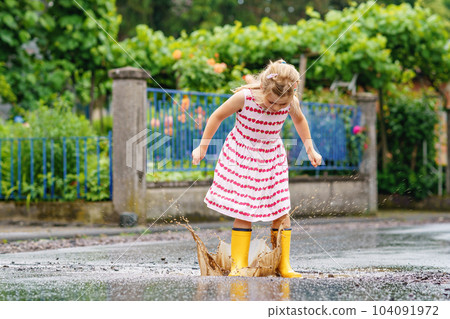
251 175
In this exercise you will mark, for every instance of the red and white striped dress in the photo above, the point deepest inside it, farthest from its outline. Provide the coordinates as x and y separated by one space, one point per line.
251 174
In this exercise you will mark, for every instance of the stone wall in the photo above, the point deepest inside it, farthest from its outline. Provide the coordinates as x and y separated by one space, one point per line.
86 213
322 196
432 203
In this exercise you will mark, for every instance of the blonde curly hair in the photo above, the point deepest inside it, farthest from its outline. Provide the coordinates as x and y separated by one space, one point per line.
279 78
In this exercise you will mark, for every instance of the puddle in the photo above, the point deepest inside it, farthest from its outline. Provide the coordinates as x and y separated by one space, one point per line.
262 260
359 263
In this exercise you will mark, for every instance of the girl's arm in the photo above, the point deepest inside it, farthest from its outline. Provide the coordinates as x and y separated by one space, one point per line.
228 108
302 127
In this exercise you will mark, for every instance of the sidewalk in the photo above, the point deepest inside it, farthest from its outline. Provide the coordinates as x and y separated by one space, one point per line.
20 232
14 232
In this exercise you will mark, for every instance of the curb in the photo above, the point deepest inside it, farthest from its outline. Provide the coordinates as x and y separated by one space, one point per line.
71 233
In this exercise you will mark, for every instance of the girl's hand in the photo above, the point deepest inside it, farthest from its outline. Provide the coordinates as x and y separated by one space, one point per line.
198 154
315 158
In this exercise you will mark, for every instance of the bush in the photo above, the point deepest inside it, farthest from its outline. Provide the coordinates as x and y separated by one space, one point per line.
107 125
410 123
58 125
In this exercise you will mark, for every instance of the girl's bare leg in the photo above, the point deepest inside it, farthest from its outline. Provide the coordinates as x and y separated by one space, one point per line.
239 223
287 224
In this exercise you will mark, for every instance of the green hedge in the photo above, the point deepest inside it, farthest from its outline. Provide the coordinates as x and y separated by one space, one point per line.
410 123
53 123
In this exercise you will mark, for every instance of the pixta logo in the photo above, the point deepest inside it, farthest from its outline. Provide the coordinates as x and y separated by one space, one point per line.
139 145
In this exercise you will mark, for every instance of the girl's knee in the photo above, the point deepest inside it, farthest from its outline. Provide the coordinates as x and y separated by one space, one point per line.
283 219
279 219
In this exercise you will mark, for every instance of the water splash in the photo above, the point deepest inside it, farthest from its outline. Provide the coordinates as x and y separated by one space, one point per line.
263 261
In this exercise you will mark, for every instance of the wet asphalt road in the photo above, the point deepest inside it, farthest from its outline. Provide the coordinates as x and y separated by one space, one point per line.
356 263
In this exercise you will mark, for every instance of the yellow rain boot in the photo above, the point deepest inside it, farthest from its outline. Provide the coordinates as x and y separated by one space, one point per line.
240 244
284 268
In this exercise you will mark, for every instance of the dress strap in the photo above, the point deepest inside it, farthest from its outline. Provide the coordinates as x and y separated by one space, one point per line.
247 95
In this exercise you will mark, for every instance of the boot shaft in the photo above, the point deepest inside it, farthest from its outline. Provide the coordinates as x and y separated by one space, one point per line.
240 245
285 238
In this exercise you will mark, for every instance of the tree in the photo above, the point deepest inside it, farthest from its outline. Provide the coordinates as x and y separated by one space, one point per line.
49 46
77 35
32 78
171 17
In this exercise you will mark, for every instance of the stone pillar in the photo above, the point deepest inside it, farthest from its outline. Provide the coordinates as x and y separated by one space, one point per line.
368 168
129 101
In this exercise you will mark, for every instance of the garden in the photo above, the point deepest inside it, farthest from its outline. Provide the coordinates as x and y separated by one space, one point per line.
54 62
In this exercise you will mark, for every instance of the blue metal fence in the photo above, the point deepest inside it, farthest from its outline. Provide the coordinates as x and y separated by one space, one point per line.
56 168
172 113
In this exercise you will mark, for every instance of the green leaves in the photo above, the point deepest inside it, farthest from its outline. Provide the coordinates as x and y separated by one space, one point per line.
9 21
30 19
36 38
7 37
47 22
387 45
24 36
54 122
381 47
411 125
6 93
311 13
10 3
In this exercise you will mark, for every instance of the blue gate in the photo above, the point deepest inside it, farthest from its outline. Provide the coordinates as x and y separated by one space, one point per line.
174 115
64 168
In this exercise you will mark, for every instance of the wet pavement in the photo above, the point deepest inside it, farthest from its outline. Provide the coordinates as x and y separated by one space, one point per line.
341 259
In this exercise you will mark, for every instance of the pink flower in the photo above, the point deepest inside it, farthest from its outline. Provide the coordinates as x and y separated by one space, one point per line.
219 67
154 123
357 129
168 131
168 120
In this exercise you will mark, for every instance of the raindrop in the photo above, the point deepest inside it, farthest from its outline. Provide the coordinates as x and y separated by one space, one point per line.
240 1
267 9
291 9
